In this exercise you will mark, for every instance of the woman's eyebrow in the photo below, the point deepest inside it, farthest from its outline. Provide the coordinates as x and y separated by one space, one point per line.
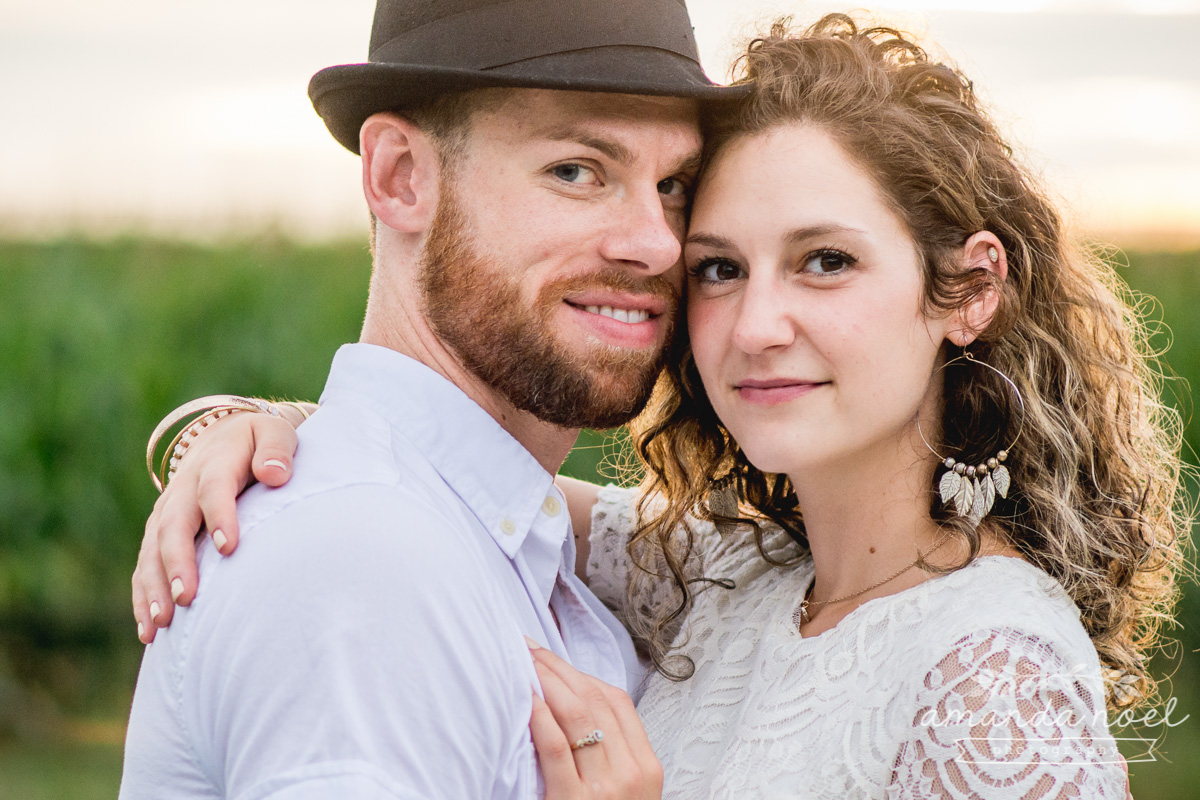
798 235
794 236
709 240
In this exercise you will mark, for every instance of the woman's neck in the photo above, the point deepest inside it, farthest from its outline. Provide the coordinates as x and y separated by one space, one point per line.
863 521
866 519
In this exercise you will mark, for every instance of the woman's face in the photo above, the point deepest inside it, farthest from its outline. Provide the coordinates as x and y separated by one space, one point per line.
805 305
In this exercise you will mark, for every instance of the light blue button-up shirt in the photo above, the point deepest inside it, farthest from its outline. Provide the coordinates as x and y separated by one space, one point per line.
366 640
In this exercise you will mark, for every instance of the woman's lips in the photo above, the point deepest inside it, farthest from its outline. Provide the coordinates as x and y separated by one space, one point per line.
773 391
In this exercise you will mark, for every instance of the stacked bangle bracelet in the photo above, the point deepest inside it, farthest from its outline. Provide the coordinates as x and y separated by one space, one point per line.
210 410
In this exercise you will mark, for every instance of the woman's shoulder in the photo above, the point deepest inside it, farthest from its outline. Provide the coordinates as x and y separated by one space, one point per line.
728 550
1009 586
1007 647
1011 603
615 510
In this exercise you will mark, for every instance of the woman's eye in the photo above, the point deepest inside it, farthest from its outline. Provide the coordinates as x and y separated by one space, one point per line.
828 262
717 270
574 173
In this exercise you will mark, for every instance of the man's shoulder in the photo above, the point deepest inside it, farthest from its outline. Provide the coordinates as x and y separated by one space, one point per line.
362 510
366 551
352 474
369 535
364 519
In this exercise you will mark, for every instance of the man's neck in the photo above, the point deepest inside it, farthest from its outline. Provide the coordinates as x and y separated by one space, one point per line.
410 334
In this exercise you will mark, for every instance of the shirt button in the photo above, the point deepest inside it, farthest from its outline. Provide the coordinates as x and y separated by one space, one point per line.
507 526
551 506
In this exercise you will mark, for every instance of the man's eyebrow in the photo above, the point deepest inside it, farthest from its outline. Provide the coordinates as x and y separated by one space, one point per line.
618 152
613 149
689 166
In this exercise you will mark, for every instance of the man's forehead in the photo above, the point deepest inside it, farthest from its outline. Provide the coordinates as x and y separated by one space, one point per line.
555 114
551 107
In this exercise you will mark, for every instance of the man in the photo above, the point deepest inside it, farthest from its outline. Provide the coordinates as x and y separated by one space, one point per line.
526 164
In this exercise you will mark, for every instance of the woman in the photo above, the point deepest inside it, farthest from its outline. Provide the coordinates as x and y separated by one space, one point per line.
910 492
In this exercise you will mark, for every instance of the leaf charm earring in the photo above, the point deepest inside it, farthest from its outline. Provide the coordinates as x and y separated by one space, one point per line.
972 489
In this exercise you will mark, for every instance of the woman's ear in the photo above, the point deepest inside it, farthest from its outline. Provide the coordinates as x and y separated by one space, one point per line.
401 172
982 251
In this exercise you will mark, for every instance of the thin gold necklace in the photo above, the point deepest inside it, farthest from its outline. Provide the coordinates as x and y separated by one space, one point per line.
800 615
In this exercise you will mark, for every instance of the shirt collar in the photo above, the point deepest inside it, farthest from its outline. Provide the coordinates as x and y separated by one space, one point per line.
498 479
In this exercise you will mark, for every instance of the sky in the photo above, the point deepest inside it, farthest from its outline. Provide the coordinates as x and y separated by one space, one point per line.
191 119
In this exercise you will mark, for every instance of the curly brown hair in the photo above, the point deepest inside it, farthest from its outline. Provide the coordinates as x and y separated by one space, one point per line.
1098 503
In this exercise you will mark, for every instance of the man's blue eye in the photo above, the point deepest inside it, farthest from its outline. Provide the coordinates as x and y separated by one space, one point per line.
571 173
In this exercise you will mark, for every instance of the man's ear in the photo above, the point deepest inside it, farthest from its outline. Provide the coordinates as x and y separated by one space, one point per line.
982 251
401 167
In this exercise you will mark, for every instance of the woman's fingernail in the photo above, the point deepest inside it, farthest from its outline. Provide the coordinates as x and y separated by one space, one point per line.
176 589
154 609
141 630
532 644
275 462
219 539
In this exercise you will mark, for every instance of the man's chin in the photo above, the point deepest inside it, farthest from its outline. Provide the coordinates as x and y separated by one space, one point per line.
616 402
608 360
597 397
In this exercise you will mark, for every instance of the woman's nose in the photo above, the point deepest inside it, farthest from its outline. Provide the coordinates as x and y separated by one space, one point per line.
765 318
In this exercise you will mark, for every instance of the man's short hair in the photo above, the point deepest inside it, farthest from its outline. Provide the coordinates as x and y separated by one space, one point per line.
447 121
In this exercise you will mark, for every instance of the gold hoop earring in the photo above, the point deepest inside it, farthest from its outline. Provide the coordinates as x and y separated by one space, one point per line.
972 489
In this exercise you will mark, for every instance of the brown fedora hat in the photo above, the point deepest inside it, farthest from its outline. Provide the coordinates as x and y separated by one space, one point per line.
423 48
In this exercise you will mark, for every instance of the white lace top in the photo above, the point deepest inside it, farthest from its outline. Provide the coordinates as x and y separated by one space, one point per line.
977 684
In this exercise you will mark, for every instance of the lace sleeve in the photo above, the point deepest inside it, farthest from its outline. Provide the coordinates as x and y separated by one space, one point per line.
1004 715
613 520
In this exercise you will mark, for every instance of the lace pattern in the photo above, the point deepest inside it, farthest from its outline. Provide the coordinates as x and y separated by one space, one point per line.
1005 715
877 706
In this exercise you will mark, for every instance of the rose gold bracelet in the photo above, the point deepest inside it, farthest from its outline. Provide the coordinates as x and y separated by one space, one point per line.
210 409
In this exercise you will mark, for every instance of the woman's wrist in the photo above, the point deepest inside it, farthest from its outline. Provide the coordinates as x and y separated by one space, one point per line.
296 412
199 415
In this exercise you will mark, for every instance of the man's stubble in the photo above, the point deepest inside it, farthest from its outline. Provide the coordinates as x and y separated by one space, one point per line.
475 307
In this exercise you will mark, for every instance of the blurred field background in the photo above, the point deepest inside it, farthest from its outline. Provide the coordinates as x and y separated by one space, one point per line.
98 339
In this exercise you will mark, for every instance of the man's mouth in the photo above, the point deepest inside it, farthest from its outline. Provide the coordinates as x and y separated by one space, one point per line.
632 308
630 315
623 319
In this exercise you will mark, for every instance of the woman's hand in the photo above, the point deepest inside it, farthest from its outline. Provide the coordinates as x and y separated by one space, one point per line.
620 766
224 460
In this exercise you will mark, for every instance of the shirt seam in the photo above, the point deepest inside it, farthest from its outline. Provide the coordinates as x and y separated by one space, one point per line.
393 483
322 770
181 657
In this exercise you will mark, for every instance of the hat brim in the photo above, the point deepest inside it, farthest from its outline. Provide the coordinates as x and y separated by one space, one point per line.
344 96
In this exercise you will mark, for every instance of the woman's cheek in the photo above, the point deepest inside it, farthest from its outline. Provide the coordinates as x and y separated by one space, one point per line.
707 333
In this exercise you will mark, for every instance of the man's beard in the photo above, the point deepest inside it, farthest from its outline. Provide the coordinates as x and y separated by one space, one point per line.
475 307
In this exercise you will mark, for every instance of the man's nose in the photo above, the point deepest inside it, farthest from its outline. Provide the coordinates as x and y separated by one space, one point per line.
645 234
765 318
